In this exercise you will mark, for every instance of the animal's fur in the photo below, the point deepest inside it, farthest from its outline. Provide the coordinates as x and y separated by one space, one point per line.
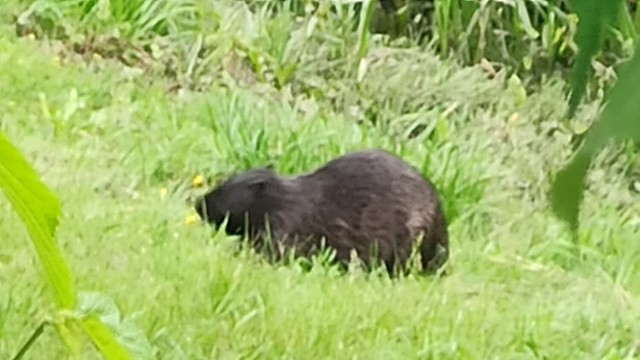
356 201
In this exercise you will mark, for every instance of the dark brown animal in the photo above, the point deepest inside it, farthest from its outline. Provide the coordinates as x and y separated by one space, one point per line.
364 201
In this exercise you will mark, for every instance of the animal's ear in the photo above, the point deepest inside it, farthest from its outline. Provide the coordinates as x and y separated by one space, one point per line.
258 184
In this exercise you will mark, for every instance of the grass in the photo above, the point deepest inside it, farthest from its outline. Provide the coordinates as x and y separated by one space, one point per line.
120 145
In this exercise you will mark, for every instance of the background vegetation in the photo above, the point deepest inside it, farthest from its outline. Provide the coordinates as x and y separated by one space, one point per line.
119 104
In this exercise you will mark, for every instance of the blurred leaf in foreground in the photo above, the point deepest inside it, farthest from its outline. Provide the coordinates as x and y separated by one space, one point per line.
38 208
620 120
595 16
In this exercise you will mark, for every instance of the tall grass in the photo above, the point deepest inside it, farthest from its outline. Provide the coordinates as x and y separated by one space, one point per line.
528 37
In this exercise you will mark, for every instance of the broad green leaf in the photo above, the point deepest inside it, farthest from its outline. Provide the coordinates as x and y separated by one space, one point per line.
620 120
567 189
594 16
38 208
102 307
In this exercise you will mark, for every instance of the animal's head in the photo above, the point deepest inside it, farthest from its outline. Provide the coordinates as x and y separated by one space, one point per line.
237 197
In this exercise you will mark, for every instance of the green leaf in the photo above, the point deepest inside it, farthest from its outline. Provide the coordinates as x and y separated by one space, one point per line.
100 306
103 339
68 328
566 192
39 209
594 16
620 120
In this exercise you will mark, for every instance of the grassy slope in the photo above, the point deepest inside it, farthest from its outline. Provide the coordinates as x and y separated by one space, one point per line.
517 288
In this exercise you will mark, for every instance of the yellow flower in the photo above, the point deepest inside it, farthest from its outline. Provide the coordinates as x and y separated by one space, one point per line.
163 193
198 181
191 219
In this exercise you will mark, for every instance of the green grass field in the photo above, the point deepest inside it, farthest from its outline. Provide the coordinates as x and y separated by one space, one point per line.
121 144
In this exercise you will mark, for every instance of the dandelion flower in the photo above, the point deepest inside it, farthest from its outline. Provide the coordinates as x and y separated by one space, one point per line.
191 219
198 181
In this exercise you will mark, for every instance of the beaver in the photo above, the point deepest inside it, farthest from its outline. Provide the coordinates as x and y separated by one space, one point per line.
367 201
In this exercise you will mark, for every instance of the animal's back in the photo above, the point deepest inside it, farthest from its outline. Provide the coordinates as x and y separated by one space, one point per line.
372 196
